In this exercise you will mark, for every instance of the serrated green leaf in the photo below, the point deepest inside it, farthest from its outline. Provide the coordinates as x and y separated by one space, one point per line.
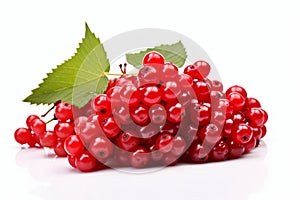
78 79
174 53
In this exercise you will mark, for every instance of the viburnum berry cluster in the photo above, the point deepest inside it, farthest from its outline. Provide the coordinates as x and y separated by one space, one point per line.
156 118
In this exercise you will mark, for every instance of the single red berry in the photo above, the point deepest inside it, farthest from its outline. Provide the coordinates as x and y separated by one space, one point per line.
202 67
101 147
228 127
140 114
151 95
85 162
237 89
148 75
252 103
153 58
101 105
128 141
192 71
198 153
158 114
113 97
249 146
256 133
29 120
266 117
170 91
239 117
64 111
139 158
38 126
64 129
237 100
200 114
201 90
219 152
49 139
255 117
110 128
23 135
235 150
175 113
73 145
263 131
164 142
242 134
169 72
59 148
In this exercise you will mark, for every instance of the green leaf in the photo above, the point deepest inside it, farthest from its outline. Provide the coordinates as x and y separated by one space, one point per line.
78 79
174 53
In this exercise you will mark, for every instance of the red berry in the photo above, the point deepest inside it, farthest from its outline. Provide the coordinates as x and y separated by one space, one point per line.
210 134
101 105
175 113
235 150
113 97
130 95
64 129
263 131
216 86
128 141
71 160
200 114
153 58
29 120
255 117
139 158
242 134
249 146
49 139
227 128
237 100
220 151
169 72
38 126
85 162
64 111
151 95
170 91
252 103
164 142
73 145
202 67
140 114
59 148
101 147
185 81
198 153
201 90
237 89
110 128
23 135
148 75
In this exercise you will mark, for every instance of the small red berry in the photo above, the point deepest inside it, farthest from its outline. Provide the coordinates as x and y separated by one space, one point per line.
85 162
153 58
64 111
73 145
23 135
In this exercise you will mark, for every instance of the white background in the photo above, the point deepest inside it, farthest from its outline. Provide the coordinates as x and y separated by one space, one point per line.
254 44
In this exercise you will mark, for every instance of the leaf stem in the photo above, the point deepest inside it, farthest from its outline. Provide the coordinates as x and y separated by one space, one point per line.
112 74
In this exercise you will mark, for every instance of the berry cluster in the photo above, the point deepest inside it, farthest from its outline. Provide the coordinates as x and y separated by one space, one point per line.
156 118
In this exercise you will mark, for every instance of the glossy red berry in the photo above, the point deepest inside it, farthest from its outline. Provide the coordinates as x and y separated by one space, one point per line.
252 103
38 126
110 127
59 148
148 75
170 91
71 160
249 146
101 105
237 100
242 133
220 151
29 120
139 158
198 153
130 95
255 117
64 111
200 114
237 89
151 95
64 129
85 162
164 142
201 90
153 58
23 135
235 150
140 114
202 67
73 145
48 139
175 113
128 141
101 147
263 131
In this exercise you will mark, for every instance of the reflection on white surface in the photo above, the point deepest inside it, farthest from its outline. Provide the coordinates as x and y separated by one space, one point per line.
235 179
